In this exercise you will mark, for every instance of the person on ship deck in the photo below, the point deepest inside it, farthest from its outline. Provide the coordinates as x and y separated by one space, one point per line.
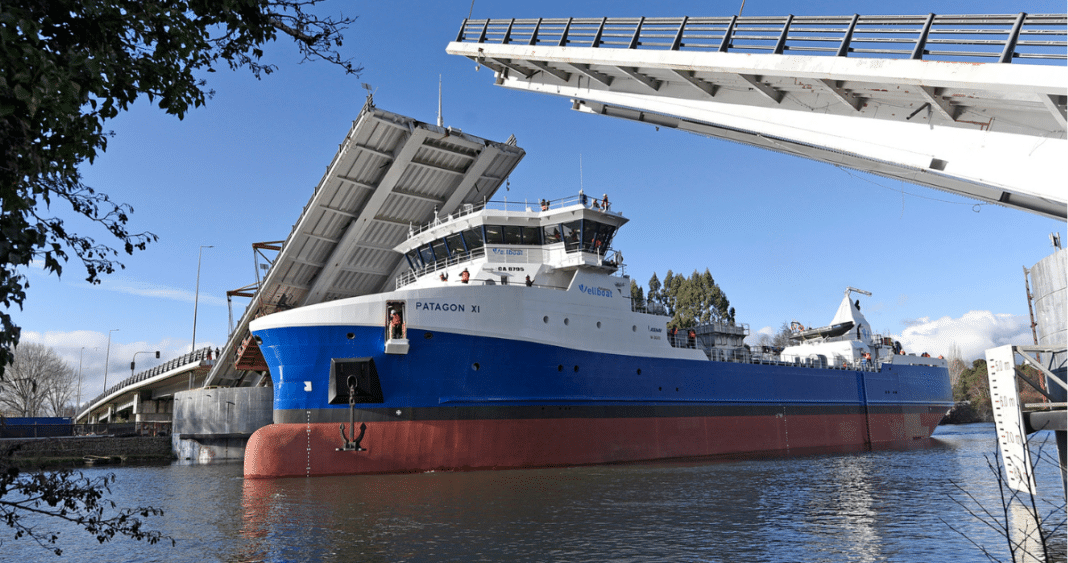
396 325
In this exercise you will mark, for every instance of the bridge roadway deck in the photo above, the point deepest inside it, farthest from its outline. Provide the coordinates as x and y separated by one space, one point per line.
970 104
148 396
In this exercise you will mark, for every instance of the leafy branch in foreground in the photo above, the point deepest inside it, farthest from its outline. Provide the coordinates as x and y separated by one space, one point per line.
69 66
29 500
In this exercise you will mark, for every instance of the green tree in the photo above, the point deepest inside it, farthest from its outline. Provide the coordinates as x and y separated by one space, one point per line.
654 290
73 497
972 386
780 339
637 295
691 301
669 295
69 66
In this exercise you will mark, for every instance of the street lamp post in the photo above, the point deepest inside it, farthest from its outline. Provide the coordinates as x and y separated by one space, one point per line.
196 297
133 361
78 405
107 358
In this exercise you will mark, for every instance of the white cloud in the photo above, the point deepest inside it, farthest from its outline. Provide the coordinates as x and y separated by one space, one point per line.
69 346
974 332
135 287
754 337
120 284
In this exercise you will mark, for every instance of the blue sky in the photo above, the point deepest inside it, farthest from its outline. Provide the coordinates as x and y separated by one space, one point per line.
781 235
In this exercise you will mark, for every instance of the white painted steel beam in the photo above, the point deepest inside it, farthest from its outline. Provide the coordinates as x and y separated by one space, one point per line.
1057 110
771 93
598 76
369 212
691 78
851 100
995 132
648 82
943 107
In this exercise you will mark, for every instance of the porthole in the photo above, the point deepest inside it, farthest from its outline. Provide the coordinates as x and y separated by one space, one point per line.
545 319
576 369
428 335
259 341
475 366
567 321
350 336
560 367
634 328
598 324
639 371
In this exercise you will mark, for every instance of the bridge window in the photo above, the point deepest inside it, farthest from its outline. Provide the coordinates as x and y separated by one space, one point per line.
426 254
571 232
532 236
414 261
513 234
494 234
552 234
473 238
455 242
440 253
596 236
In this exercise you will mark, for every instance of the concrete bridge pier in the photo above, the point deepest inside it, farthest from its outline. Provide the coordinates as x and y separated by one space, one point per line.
214 424
148 411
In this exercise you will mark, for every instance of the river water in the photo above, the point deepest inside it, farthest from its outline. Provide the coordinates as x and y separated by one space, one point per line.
887 505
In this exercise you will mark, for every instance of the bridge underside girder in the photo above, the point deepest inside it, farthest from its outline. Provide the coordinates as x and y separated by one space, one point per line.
993 132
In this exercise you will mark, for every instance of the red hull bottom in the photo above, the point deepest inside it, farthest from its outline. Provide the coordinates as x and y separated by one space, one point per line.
305 450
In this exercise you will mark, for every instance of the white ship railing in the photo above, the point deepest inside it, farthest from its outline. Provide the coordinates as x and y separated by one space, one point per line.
409 276
524 206
1028 38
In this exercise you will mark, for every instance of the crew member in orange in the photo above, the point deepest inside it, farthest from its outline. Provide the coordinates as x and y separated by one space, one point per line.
396 328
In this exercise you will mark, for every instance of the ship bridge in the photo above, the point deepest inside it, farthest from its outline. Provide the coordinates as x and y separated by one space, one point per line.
501 240
969 104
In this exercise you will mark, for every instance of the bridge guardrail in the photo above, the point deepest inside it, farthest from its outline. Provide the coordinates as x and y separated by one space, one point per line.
205 353
1030 38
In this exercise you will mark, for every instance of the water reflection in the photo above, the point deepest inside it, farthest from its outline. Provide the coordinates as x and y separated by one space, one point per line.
862 506
878 506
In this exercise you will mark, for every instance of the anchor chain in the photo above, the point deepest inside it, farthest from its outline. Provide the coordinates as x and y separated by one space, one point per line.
354 444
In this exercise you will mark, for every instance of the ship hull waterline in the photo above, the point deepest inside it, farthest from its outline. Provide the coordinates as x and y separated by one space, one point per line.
407 446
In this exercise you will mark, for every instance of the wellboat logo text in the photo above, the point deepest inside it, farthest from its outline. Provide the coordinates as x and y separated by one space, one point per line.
598 291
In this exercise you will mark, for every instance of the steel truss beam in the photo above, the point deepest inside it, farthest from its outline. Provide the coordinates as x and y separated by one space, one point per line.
999 135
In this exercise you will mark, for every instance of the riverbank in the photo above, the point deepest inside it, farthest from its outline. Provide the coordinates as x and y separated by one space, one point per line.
72 451
965 412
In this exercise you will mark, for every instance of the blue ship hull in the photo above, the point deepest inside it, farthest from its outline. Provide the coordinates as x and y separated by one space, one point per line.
480 395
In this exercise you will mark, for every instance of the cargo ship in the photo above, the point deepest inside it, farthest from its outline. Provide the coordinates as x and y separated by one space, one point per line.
512 341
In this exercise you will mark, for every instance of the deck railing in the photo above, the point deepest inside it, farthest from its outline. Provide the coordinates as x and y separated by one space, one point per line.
510 206
1005 38
184 359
